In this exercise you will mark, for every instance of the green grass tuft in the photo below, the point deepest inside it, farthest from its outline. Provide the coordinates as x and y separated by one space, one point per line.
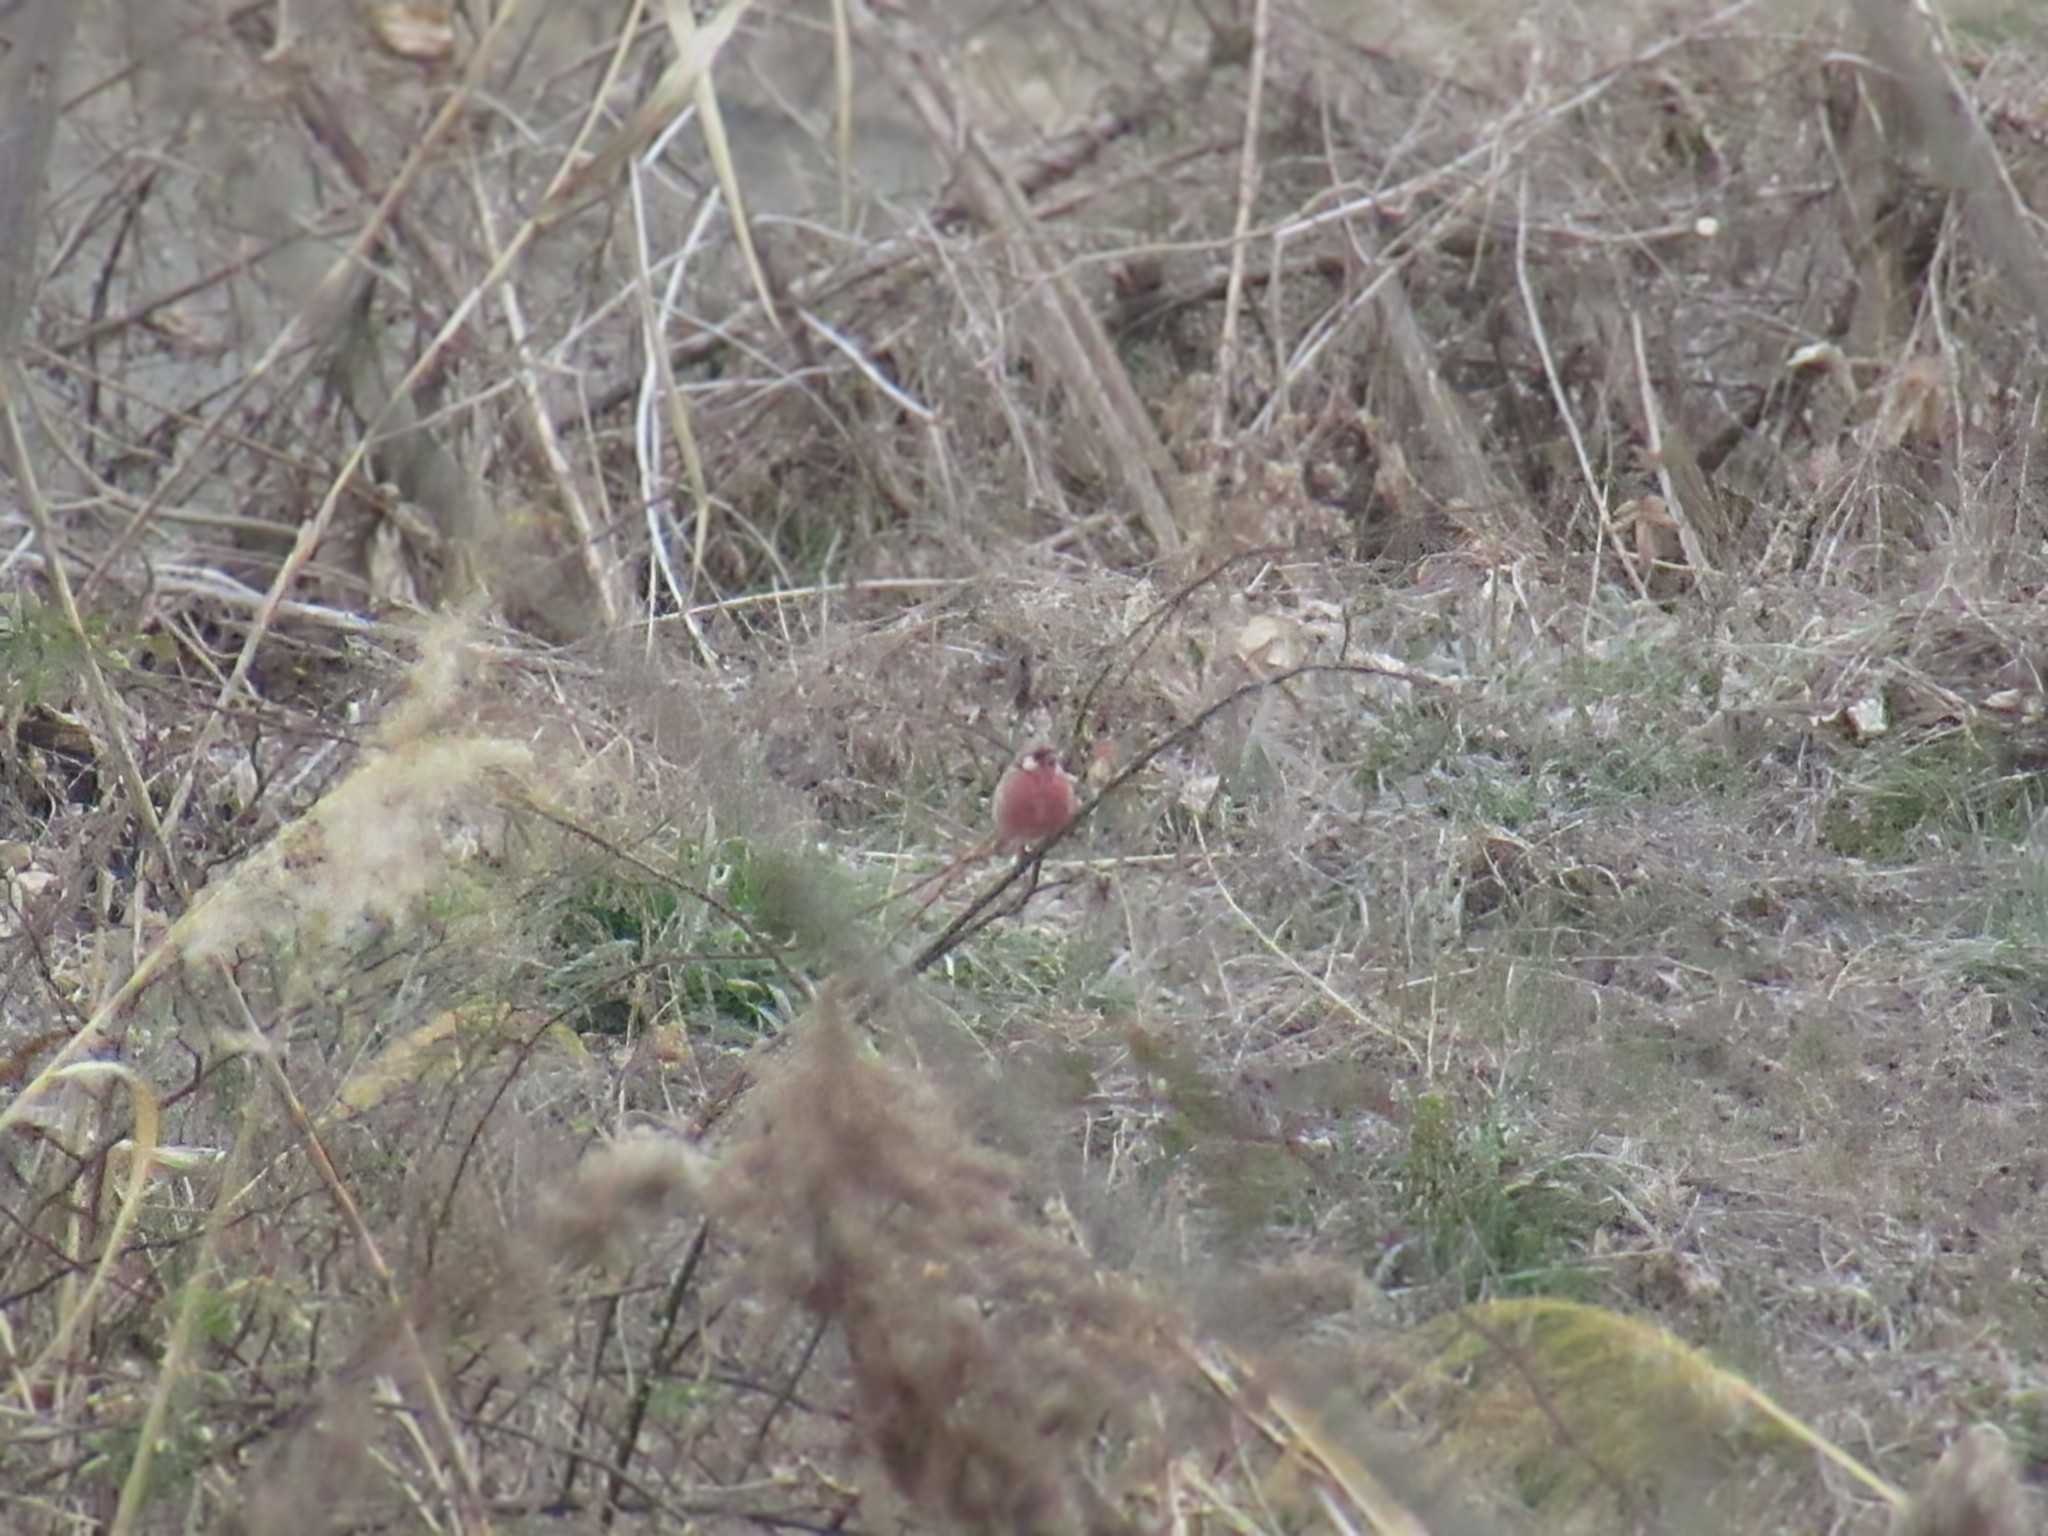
1486 1226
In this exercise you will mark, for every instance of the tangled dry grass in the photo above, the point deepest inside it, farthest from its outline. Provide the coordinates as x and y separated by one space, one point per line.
527 527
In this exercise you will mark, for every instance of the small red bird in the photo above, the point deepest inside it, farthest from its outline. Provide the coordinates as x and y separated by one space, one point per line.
1035 800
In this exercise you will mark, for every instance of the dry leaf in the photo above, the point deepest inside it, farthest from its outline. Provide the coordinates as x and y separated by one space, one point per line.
1862 722
2015 701
1197 792
1915 404
1269 643
413 30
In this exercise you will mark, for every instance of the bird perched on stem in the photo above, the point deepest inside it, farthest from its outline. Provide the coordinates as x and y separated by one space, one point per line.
1034 801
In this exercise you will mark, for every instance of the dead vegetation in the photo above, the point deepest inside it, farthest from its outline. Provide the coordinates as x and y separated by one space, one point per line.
525 526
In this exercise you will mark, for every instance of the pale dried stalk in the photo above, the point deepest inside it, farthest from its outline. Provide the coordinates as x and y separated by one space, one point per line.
113 726
1678 474
540 428
40 36
1074 348
467 1512
29 79
1247 194
1906 39
338 279
1606 534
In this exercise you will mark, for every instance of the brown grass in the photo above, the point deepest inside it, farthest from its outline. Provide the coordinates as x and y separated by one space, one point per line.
1526 525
